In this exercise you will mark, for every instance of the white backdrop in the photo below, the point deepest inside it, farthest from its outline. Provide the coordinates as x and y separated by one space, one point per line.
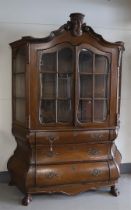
111 18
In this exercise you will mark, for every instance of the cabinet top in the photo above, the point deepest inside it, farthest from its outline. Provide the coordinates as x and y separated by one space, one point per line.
75 27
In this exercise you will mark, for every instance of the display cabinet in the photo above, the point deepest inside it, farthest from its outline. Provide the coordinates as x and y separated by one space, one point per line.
65 105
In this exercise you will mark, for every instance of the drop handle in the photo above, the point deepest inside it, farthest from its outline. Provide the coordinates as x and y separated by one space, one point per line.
51 141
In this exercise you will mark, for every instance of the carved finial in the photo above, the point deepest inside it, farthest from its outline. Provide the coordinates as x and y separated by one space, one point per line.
76 22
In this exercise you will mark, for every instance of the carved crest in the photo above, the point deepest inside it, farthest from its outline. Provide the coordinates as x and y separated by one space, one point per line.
76 27
75 23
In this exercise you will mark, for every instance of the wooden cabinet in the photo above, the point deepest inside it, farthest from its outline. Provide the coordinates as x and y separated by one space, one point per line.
66 104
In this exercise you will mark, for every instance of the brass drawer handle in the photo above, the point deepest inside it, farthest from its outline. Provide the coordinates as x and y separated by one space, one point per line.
93 151
51 141
52 138
96 172
97 136
50 154
51 175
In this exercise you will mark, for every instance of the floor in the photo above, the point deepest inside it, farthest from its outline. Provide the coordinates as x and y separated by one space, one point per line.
10 198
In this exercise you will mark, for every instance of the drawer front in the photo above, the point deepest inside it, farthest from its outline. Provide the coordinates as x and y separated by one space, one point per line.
71 153
66 137
71 173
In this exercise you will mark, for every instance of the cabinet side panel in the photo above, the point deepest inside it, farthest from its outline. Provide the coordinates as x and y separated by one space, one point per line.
19 59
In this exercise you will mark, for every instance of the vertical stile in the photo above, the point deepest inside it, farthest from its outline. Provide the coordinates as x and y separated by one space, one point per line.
57 86
93 74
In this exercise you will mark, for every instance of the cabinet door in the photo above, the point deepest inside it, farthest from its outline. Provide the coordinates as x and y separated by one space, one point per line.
56 67
93 99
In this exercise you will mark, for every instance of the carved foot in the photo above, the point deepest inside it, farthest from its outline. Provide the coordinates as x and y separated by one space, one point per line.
114 191
26 200
11 183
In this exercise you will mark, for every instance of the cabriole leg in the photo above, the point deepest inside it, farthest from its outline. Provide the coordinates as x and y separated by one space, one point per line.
26 200
114 191
11 183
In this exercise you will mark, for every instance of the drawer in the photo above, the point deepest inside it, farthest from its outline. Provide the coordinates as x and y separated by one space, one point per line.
66 137
71 173
72 153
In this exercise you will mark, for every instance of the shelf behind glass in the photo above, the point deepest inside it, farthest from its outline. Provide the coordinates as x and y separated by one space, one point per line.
55 111
48 85
65 60
64 111
86 85
48 62
48 111
20 114
64 85
101 88
19 62
19 85
93 110
100 110
101 64
85 61
85 111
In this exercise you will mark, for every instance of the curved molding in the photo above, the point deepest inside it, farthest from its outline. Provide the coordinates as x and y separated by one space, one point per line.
76 27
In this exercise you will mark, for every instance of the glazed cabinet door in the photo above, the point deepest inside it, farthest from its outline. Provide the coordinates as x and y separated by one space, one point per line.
56 85
93 86
74 87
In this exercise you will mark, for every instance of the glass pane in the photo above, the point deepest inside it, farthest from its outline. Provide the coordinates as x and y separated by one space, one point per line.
65 86
20 110
101 64
48 111
85 61
94 87
85 111
19 88
65 60
56 86
48 62
101 86
86 84
100 110
64 111
48 86
20 60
